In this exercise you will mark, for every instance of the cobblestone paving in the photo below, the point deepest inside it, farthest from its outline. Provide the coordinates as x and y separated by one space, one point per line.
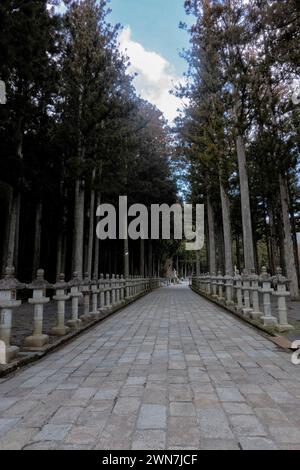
171 371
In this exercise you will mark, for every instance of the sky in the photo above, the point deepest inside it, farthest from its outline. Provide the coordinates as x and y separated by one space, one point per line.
152 40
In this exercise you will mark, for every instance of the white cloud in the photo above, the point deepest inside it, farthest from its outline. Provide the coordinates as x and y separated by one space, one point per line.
155 75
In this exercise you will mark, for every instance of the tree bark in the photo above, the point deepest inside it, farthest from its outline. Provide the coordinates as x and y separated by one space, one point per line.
246 209
275 258
78 237
142 257
13 226
7 228
126 258
91 232
97 245
37 239
211 237
288 241
226 230
150 259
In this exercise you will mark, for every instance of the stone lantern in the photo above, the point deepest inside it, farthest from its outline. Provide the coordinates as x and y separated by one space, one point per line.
39 286
8 302
282 293
256 314
266 290
61 297
238 291
95 292
246 287
229 289
86 292
75 295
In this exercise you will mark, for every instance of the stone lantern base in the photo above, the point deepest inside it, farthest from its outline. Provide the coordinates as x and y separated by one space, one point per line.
8 354
74 324
284 328
60 331
35 342
269 321
256 315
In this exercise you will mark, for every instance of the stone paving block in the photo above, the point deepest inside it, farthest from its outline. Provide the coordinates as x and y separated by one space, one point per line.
180 392
182 409
213 423
52 432
16 438
237 408
247 425
218 444
66 415
285 434
6 403
183 431
149 440
83 434
229 394
152 417
6 424
20 409
257 443
127 406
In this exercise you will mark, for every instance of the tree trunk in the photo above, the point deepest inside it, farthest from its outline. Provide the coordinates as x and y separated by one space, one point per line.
13 226
288 241
273 239
226 230
150 259
78 229
91 232
198 267
238 253
126 258
246 209
37 239
97 245
7 228
211 237
59 255
142 257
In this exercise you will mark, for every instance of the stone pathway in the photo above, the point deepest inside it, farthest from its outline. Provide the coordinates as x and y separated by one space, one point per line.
171 371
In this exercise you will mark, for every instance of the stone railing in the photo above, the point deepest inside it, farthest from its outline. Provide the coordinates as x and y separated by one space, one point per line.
99 297
250 295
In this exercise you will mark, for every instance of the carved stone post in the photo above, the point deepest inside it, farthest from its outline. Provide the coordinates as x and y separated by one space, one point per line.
266 291
282 293
214 282
228 289
61 297
75 294
246 291
256 314
220 296
108 292
102 292
8 302
38 340
238 289
95 292
113 290
86 292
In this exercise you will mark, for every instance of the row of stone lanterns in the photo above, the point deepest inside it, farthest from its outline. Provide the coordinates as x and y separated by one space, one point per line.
250 295
99 296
